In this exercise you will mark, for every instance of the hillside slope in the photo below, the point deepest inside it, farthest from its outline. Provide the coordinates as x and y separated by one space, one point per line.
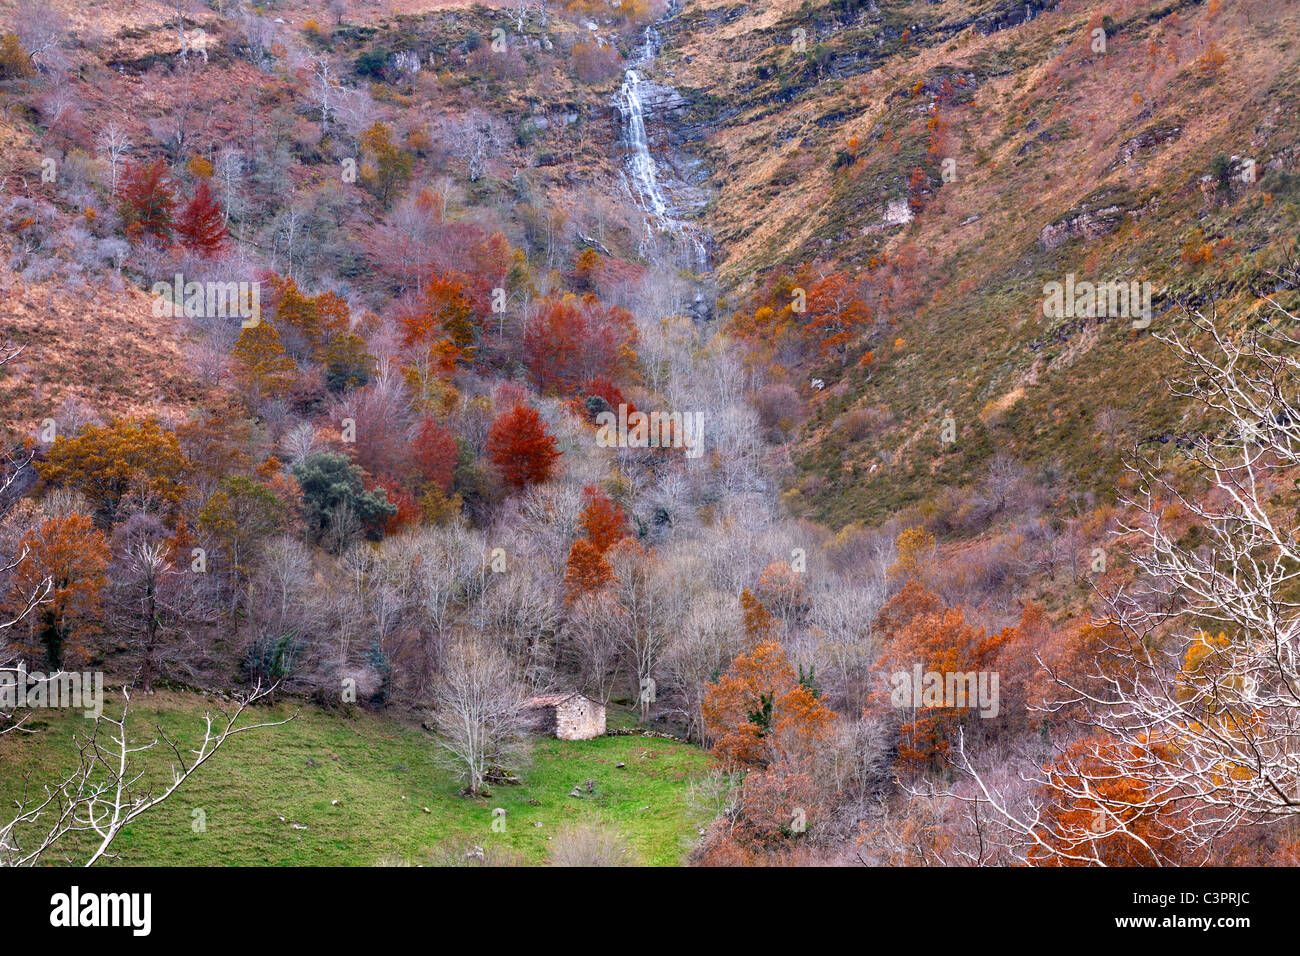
958 157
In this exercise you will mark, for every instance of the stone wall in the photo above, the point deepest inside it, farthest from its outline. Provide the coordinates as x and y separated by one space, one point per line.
579 718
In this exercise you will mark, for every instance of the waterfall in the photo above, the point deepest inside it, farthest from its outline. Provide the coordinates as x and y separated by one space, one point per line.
640 162
644 176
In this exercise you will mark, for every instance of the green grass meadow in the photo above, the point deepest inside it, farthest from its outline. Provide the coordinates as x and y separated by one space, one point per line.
383 773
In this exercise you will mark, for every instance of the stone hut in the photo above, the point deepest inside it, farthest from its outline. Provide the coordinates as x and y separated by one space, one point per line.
566 716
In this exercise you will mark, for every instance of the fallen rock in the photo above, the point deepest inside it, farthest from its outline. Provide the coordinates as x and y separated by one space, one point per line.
1148 139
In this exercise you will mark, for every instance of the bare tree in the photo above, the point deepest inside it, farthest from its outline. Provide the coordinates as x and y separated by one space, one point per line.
706 642
283 583
520 608
356 109
180 8
450 561
596 646
478 711
1004 476
230 176
12 466
259 37
477 138
856 759
846 650
11 670
41 30
189 109
550 512
326 91
155 602
301 442
643 609
290 226
113 143
520 10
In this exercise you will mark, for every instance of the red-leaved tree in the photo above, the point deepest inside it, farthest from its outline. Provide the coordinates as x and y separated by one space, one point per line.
148 201
434 452
522 449
573 341
836 312
200 226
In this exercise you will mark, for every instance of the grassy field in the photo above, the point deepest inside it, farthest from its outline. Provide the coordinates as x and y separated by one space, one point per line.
268 796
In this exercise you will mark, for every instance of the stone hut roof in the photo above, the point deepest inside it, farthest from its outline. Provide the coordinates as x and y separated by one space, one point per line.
553 700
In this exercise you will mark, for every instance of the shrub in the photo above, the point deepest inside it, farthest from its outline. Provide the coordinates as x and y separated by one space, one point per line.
862 423
458 853
594 63
371 63
14 61
590 846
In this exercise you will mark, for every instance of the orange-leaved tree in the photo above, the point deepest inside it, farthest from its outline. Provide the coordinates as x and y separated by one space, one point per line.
261 366
781 589
587 570
307 324
385 165
769 724
758 712
914 554
921 635
72 554
602 521
446 313
757 620
135 461
1102 809
835 313
318 328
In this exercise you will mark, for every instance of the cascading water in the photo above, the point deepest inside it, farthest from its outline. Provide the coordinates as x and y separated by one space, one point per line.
640 163
641 167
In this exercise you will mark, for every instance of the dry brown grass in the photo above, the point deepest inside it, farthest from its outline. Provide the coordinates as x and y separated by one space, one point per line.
105 350
114 16
1013 200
